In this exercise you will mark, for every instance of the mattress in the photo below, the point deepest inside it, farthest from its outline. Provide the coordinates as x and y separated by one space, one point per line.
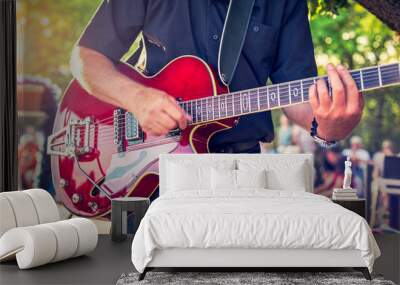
252 219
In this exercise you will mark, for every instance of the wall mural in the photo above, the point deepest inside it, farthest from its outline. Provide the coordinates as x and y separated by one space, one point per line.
57 118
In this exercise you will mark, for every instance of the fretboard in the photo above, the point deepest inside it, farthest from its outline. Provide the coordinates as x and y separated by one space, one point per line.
281 95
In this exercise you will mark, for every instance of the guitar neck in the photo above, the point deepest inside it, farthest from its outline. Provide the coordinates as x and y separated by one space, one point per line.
281 95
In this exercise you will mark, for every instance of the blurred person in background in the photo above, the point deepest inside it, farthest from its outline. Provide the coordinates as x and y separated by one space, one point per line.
267 148
387 148
356 151
302 139
379 199
332 171
284 134
359 158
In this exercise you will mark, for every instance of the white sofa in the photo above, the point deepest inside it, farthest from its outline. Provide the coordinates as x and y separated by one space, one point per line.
293 228
31 231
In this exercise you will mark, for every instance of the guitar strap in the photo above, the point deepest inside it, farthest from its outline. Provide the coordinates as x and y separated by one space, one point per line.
233 36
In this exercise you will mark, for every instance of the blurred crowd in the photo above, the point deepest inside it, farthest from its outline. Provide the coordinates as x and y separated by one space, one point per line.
329 163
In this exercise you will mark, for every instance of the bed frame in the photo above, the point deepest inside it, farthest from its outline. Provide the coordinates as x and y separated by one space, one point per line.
246 258
243 259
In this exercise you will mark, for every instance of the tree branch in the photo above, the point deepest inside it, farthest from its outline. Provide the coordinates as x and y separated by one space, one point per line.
388 11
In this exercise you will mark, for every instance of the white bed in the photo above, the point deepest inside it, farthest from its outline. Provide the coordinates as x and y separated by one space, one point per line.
249 227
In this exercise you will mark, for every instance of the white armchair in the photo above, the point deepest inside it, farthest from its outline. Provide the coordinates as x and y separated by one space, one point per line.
31 232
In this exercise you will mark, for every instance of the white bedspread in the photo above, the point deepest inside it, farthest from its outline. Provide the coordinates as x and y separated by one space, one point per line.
250 219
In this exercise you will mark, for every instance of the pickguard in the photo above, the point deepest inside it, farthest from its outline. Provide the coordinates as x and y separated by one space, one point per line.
125 168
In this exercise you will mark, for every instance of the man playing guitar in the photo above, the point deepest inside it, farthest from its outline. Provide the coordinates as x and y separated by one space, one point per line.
278 46
115 120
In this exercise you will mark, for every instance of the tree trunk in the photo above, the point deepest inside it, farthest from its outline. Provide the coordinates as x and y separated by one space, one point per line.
388 11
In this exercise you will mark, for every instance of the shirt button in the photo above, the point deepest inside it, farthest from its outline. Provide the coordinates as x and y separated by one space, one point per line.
256 28
215 37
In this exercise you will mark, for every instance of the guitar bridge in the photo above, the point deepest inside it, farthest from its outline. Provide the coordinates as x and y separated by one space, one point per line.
72 140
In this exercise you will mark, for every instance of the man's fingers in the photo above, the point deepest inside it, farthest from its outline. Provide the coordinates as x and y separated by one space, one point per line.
176 113
323 95
314 101
187 116
338 89
354 98
156 129
166 121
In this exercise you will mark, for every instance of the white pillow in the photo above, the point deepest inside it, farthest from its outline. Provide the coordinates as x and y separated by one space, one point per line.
226 179
193 174
223 179
181 177
285 174
277 180
251 178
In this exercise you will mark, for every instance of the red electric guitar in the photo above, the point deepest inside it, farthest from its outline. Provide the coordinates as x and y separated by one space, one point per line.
99 151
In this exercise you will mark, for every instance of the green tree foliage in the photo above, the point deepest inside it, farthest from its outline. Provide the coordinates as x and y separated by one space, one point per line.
342 31
326 6
47 30
356 38
387 11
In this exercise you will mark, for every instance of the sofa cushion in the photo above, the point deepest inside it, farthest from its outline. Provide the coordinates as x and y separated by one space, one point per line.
40 244
26 208
23 208
7 217
45 206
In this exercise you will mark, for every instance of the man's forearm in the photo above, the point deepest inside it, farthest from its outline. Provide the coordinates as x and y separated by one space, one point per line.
156 111
301 114
98 75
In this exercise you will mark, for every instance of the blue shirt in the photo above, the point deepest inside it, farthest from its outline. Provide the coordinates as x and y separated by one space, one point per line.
278 44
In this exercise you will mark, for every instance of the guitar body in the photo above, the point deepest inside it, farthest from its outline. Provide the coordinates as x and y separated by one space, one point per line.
121 166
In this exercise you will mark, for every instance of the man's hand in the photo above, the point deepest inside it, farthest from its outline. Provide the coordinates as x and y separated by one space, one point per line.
157 112
338 115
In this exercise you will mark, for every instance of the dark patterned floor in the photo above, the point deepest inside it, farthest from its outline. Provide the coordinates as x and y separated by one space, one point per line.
243 278
110 259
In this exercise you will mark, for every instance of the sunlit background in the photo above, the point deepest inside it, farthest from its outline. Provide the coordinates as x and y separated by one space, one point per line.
48 29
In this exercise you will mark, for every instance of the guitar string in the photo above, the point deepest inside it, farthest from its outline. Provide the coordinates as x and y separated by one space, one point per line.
283 91
284 96
109 132
144 144
367 72
285 85
393 75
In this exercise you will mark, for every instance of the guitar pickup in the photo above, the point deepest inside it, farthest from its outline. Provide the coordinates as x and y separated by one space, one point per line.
174 133
132 129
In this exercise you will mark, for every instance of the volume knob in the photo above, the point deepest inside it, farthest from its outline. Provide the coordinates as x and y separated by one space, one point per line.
93 206
63 183
76 198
